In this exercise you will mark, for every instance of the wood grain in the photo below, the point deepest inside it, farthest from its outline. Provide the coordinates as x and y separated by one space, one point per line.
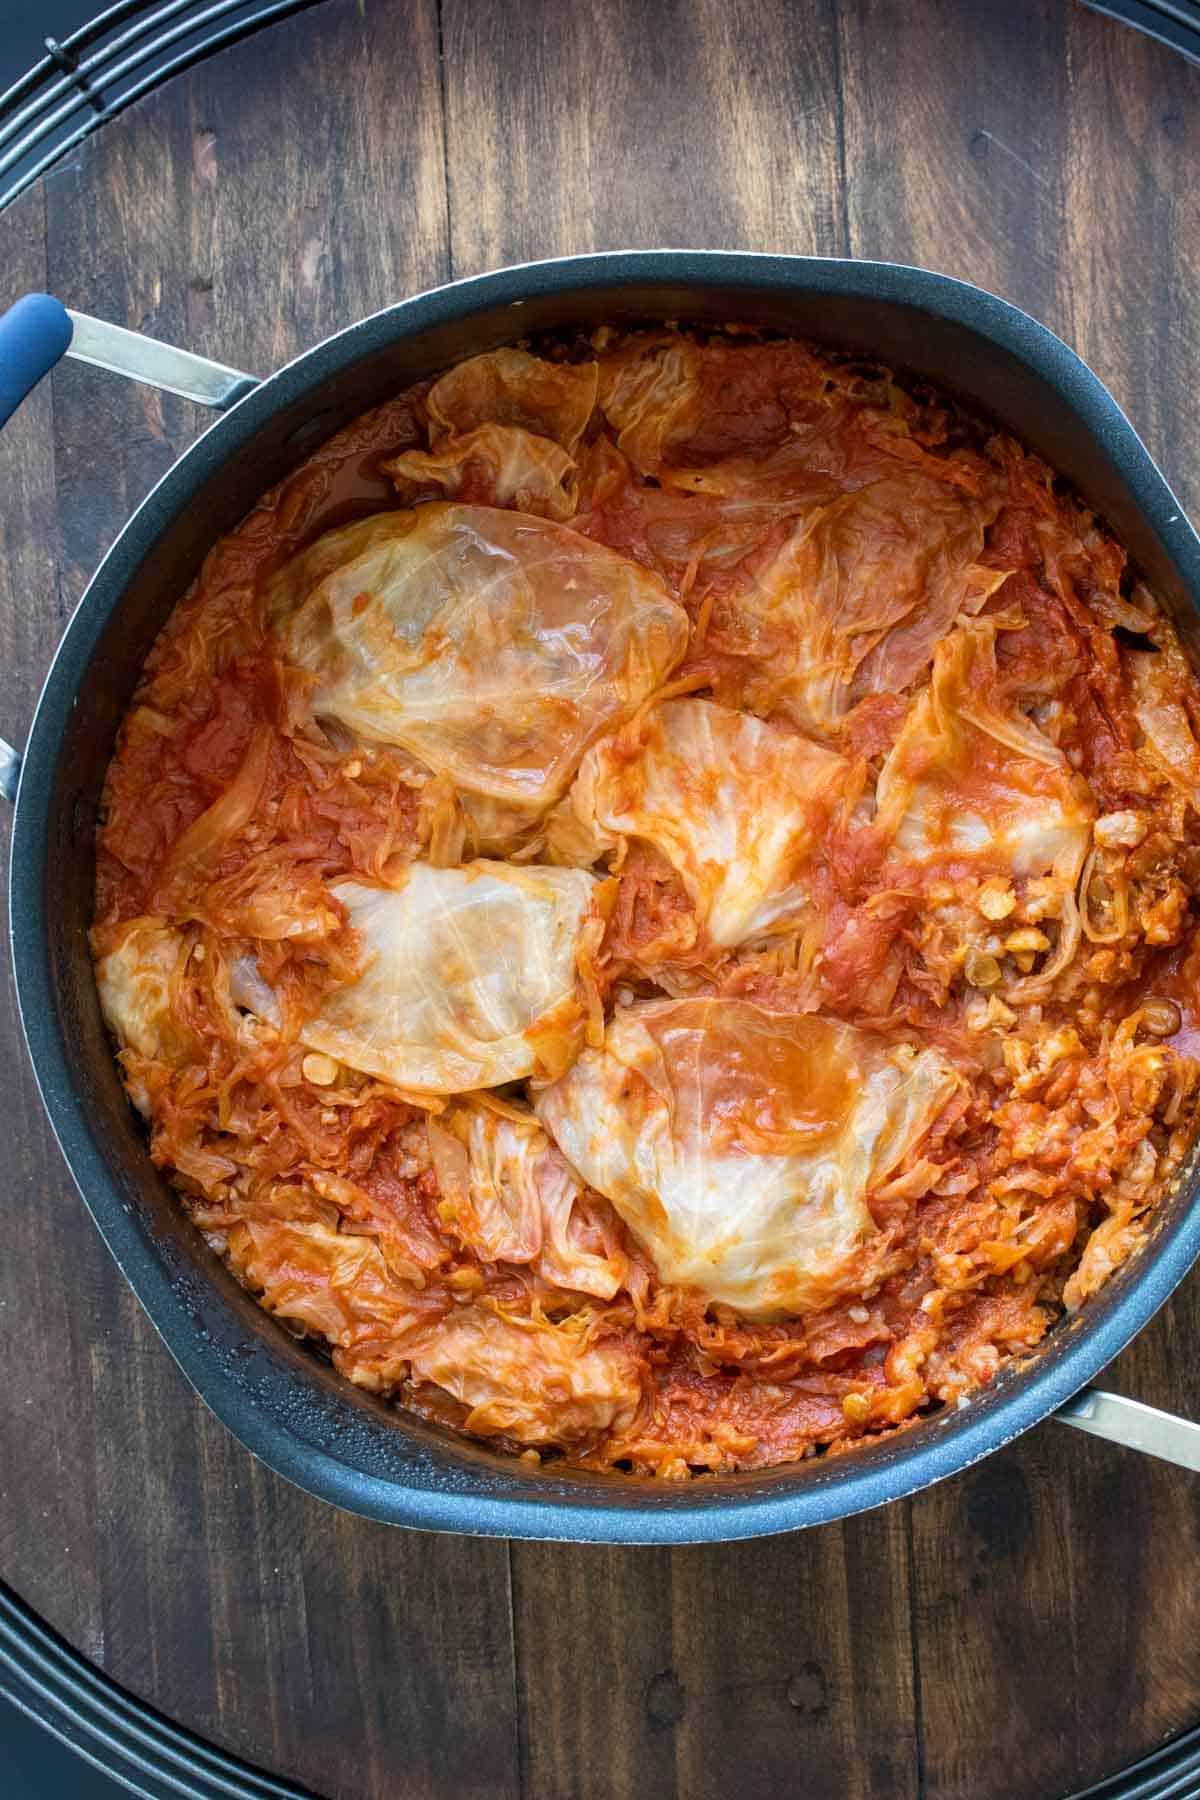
224 215
1131 248
1017 1632
724 1671
978 191
618 125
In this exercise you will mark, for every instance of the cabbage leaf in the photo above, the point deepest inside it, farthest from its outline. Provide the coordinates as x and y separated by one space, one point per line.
501 465
509 1195
737 807
512 387
970 777
858 595
138 971
469 978
651 397
528 1379
491 645
739 1146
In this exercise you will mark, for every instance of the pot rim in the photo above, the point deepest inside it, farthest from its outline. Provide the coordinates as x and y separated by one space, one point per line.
638 1511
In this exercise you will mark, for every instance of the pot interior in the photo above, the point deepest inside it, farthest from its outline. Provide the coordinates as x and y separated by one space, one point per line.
282 1398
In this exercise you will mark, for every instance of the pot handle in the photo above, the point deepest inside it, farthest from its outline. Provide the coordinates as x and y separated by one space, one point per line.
34 334
37 331
1135 1426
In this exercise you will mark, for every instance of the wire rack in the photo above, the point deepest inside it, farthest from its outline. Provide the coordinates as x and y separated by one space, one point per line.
1173 22
124 53
79 84
128 49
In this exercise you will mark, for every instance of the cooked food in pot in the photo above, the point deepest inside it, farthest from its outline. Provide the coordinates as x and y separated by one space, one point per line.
648 900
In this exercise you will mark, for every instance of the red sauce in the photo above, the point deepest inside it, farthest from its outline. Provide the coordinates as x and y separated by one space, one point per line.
231 814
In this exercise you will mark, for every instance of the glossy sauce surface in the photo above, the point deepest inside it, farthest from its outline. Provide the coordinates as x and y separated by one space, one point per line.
866 1070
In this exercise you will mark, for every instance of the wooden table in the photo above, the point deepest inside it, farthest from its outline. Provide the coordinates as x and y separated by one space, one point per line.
1019 1631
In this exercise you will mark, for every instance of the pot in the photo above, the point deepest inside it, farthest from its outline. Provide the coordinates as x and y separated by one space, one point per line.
283 1401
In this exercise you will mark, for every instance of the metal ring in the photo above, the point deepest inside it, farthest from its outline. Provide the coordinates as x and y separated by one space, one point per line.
122 1736
52 1683
104 66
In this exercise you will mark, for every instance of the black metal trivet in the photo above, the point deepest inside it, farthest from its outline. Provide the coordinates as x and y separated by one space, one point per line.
96 71
42 1675
129 1741
83 81
1173 22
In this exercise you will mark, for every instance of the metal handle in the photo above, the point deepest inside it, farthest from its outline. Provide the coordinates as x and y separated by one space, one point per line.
37 331
1136 1426
161 365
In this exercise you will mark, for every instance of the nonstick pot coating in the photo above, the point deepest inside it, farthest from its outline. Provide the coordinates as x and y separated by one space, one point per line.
280 1397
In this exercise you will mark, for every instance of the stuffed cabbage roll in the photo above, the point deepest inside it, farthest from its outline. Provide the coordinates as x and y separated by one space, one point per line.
736 806
512 387
858 595
491 645
972 778
740 1146
529 1379
469 977
500 465
508 1194
138 971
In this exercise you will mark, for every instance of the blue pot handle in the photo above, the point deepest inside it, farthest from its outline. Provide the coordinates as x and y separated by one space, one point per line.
34 334
37 331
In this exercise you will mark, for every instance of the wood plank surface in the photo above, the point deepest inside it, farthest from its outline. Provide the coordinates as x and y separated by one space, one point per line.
1017 1632
739 1666
703 1673
1074 196
221 214
618 125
